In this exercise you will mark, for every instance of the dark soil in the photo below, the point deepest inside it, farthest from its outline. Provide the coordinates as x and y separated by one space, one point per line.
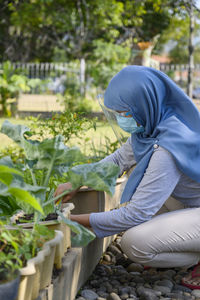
29 217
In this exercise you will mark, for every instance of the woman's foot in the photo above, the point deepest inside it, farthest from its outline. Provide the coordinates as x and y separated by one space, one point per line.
192 280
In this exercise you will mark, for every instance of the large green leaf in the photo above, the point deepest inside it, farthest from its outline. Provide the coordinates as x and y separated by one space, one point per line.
7 206
100 176
43 154
15 132
7 161
26 197
83 236
12 185
54 151
7 167
6 174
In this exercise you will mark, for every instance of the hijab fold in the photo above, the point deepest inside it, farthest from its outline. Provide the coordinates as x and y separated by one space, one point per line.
168 115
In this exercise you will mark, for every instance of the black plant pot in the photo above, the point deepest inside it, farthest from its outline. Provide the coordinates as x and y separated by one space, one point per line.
9 290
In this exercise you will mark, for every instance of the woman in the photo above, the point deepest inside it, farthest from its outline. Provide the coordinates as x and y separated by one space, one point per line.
165 144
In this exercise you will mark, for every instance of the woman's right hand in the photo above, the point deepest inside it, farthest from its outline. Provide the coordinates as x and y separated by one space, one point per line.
63 187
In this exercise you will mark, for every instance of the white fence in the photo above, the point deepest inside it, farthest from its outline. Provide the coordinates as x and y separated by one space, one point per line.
57 77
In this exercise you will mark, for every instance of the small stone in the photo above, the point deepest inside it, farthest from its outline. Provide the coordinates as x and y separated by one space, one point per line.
118 240
124 296
115 282
145 293
196 293
94 283
102 288
165 282
118 246
89 294
135 273
100 298
175 296
122 272
102 294
115 290
138 279
152 278
107 258
178 287
80 298
113 296
113 260
108 270
132 297
132 290
135 268
124 290
178 278
190 298
152 271
169 273
123 280
163 289
113 249
108 287
147 285
186 294
133 284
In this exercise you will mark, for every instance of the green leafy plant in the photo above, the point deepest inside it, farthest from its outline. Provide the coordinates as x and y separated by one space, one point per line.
76 103
11 193
17 246
51 157
16 154
11 84
67 124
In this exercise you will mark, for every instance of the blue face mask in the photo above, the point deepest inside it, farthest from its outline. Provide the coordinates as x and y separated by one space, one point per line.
129 124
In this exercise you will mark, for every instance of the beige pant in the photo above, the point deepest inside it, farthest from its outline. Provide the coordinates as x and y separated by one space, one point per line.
170 239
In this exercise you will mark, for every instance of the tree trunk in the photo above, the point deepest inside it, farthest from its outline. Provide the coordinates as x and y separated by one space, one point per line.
4 106
191 51
82 76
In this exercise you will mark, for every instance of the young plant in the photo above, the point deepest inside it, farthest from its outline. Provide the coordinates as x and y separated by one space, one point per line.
67 124
18 245
11 192
51 157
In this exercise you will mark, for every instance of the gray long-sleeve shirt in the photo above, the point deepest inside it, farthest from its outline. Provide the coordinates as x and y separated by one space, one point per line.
162 178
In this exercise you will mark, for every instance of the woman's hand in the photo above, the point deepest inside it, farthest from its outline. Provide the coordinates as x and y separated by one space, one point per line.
63 187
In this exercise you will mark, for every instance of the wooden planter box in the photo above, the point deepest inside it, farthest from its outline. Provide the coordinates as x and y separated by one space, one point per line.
38 272
58 225
79 263
88 200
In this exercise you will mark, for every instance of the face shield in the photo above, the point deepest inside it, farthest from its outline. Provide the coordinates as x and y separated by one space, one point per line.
112 116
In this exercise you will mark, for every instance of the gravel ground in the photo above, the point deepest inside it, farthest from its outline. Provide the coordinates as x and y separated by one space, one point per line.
117 277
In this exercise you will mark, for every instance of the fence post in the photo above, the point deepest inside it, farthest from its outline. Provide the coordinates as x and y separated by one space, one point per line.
82 76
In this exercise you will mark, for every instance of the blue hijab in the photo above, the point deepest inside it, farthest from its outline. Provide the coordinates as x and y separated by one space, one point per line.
168 115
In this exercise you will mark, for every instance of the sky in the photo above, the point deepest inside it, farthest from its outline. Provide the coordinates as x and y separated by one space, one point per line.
198 3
